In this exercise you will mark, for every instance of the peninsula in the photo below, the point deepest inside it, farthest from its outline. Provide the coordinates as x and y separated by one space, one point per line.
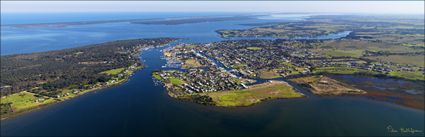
33 80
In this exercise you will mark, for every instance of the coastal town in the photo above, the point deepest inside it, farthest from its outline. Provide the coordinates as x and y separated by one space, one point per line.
197 77
268 59
212 68
227 66
201 73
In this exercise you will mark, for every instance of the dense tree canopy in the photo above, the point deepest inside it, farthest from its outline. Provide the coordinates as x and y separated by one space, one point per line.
45 73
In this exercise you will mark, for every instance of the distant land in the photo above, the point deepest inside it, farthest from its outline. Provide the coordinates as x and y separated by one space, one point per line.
154 21
191 20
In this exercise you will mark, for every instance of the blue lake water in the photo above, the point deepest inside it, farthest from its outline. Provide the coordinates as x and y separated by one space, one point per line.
140 107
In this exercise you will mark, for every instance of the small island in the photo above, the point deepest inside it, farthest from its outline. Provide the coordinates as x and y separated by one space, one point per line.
33 80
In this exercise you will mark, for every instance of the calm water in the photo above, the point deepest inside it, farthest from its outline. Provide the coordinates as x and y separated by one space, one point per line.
138 107
26 40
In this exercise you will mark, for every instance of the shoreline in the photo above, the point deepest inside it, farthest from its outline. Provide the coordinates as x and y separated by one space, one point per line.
367 96
250 96
401 99
178 83
62 99
67 93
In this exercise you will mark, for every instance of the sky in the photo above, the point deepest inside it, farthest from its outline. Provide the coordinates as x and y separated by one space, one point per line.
403 7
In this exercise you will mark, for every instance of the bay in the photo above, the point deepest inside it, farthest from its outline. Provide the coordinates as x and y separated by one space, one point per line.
141 107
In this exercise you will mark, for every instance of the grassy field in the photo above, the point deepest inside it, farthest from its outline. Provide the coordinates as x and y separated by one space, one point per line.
236 80
113 71
156 75
341 70
308 79
408 75
417 60
322 85
24 101
295 68
176 81
355 45
171 80
254 94
269 74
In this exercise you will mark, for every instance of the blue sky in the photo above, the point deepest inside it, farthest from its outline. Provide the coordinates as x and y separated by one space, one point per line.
215 6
